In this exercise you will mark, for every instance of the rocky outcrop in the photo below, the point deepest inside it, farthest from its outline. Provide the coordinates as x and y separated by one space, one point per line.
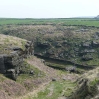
95 43
76 51
71 69
11 64
87 57
29 48
87 86
86 44
84 90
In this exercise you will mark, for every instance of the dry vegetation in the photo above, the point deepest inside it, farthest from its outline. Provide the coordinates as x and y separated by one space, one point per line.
8 42
10 89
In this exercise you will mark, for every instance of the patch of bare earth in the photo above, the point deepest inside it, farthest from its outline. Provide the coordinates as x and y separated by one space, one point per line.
9 89
50 72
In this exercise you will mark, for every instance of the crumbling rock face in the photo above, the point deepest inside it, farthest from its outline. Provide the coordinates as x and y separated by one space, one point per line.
95 43
86 44
2 66
87 57
11 64
29 48
84 90
74 50
87 86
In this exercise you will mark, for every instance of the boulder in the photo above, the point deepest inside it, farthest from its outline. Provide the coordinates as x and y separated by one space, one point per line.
95 43
86 44
71 69
31 72
53 79
29 48
87 57
12 73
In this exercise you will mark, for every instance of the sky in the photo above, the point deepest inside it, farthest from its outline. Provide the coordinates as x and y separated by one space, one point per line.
48 8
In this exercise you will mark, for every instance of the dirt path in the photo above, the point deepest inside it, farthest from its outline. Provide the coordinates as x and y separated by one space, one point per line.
38 63
50 74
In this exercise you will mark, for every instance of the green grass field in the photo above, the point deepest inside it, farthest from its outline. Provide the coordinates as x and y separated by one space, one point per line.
68 21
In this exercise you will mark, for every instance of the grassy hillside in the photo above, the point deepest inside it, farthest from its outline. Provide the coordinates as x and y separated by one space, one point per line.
27 83
9 89
55 90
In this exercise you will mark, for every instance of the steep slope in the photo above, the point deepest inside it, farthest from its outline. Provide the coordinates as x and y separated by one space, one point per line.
9 89
34 73
88 86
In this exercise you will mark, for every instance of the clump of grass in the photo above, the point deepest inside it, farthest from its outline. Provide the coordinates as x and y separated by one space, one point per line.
94 82
56 89
2 78
26 68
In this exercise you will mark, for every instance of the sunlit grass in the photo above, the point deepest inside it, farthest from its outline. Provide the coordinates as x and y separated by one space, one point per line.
54 90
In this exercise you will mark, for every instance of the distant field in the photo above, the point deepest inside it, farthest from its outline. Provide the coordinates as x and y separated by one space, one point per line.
68 21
